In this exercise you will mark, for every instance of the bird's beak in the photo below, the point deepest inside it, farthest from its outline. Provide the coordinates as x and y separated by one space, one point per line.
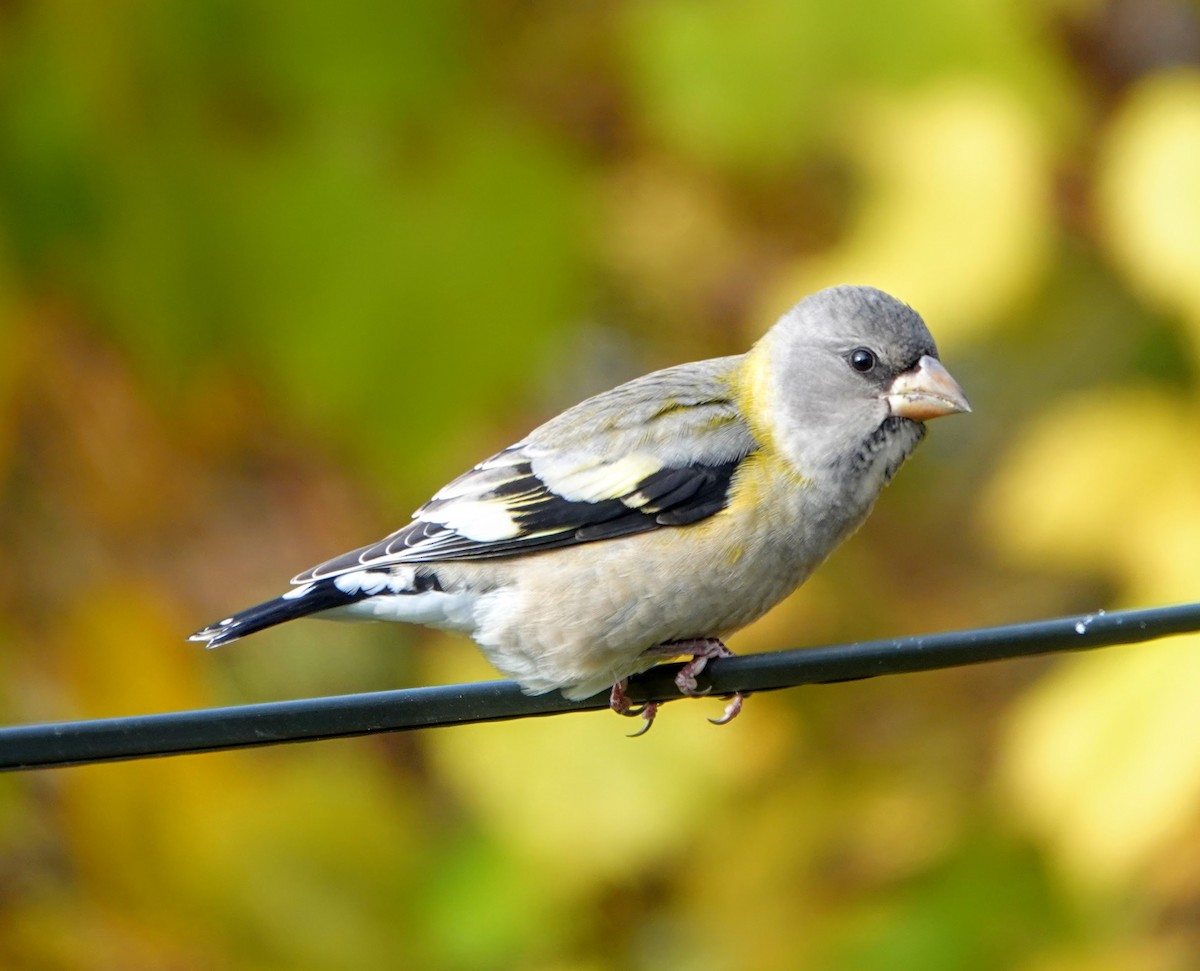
925 391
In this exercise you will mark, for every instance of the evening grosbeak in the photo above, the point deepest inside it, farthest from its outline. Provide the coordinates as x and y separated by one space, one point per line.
654 519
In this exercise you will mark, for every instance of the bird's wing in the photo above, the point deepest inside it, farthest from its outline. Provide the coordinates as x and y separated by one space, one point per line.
659 451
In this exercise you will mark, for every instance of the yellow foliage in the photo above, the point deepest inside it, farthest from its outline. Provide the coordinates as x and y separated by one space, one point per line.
577 797
1149 192
1103 756
954 217
1102 483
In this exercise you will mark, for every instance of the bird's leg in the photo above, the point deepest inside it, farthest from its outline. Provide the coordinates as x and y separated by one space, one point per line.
701 649
619 702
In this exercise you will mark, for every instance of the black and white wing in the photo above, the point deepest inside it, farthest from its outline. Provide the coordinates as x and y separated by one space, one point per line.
657 452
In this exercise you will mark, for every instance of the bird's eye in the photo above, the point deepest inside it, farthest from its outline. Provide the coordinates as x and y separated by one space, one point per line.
862 360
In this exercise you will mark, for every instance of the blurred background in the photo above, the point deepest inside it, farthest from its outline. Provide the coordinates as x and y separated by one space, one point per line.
271 273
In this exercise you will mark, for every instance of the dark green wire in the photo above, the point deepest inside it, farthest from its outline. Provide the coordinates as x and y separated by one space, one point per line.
311 719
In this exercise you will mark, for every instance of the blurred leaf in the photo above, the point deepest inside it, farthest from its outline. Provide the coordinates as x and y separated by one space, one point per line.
1103 758
388 317
988 908
956 214
568 795
729 81
1149 192
753 83
1076 490
516 915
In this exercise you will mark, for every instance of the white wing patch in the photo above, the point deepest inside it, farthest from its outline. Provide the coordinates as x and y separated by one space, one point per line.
598 478
481 520
365 581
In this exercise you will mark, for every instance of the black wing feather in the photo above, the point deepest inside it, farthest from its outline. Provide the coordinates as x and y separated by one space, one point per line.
668 497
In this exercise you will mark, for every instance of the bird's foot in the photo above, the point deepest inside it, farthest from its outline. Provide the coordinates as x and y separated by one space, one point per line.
702 649
619 702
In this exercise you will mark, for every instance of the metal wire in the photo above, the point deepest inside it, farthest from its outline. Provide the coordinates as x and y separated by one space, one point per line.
310 719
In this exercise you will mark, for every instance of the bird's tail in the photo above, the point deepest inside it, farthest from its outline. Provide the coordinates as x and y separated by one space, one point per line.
300 602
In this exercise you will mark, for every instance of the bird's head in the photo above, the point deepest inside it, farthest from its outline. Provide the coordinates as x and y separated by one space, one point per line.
847 367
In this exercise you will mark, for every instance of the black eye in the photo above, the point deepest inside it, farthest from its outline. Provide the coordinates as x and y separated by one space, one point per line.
862 360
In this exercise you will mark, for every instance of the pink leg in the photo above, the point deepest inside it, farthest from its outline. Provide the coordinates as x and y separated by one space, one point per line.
701 649
619 702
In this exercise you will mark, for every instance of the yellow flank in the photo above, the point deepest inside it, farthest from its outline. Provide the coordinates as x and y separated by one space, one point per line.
749 387
758 480
764 484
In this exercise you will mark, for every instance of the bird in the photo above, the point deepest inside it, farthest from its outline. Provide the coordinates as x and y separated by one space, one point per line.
653 520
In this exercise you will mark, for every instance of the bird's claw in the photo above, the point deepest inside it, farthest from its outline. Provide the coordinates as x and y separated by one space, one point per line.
619 702
647 713
732 710
685 679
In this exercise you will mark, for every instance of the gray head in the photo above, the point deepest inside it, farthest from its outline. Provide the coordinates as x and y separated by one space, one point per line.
849 376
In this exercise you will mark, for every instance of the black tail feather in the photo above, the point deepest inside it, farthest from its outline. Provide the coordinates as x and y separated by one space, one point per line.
320 596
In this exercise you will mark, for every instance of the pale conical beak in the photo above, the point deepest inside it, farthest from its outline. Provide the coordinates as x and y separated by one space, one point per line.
926 391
